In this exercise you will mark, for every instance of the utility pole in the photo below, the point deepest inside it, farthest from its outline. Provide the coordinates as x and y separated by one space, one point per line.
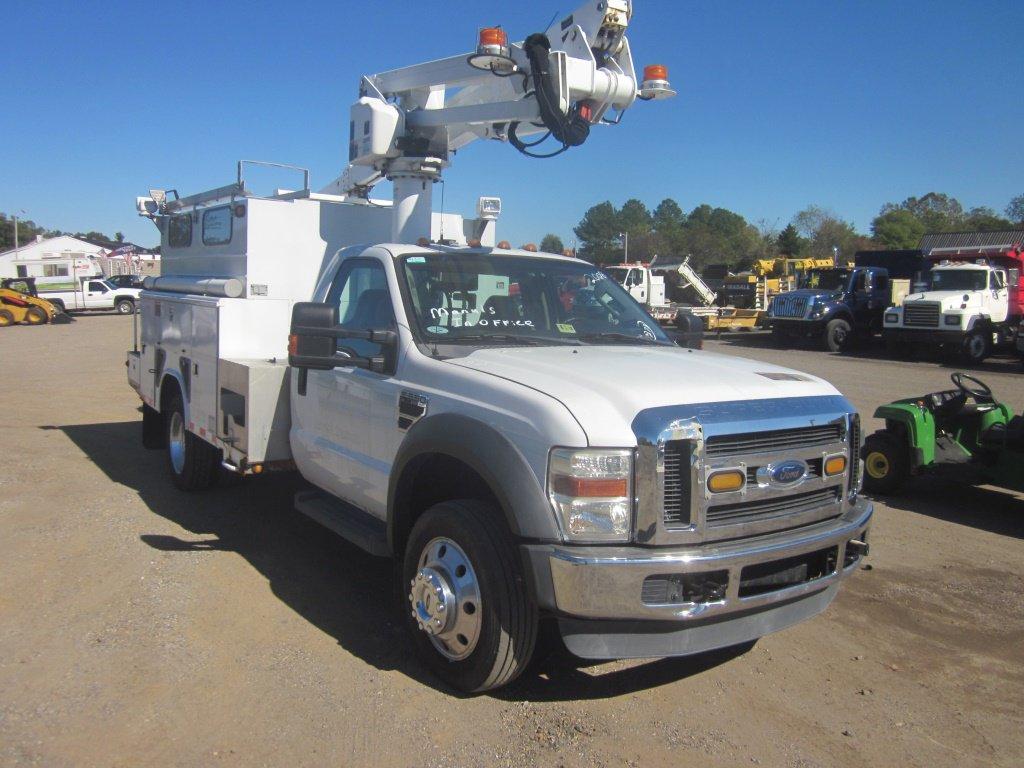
16 246
624 236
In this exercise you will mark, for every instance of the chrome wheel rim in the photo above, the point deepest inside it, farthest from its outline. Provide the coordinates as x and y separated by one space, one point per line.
176 442
445 598
124 308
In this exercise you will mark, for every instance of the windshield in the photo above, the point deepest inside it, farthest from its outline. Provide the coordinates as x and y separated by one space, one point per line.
618 274
827 279
491 299
958 279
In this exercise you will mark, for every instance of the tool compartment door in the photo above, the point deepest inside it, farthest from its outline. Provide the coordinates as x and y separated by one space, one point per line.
203 373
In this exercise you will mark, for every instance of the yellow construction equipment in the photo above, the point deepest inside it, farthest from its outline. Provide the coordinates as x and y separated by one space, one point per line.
19 303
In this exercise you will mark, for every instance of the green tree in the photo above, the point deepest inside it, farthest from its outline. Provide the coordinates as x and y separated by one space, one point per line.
119 237
825 231
898 228
1015 210
937 211
984 219
669 224
27 231
789 241
552 244
598 234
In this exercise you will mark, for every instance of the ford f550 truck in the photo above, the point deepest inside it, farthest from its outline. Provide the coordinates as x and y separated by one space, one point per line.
511 427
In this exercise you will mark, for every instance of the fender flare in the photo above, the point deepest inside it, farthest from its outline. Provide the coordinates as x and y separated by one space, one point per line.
493 457
173 373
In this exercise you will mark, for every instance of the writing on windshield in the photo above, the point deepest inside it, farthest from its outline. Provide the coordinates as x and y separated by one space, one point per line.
474 296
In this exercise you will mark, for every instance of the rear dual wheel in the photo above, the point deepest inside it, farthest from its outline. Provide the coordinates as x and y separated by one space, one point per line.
193 462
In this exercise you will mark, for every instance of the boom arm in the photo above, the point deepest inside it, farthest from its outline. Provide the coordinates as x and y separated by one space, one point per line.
408 122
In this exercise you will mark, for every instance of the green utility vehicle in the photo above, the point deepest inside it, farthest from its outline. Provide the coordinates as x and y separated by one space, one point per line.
962 433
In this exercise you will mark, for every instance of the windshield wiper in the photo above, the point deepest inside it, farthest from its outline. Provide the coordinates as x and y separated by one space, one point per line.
503 338
616 336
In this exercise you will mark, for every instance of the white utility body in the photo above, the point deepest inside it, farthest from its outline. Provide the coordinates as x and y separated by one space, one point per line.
511 426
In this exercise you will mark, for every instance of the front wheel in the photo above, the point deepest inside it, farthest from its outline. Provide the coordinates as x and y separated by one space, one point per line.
837 335
885 463
35 316
976 347
6 318
467 606
125 307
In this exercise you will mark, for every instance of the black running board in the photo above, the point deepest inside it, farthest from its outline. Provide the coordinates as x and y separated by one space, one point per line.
365 531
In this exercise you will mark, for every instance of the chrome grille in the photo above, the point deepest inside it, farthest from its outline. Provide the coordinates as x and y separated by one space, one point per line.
921 314
854 451
789 306
768 509
677 496
772 440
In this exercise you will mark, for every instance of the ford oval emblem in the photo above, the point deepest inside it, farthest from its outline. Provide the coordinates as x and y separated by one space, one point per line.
788 472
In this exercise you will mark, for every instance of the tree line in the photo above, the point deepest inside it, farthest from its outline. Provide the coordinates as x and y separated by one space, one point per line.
717 235
28 229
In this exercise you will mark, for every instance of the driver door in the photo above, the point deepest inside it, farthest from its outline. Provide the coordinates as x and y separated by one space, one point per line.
96 294
332 422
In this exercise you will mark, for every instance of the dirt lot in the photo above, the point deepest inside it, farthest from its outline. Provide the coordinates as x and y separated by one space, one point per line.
139 626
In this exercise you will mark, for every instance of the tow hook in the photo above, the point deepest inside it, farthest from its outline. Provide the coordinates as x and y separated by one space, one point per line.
857 547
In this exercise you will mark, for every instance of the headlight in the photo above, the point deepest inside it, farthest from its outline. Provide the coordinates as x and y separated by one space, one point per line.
892 317
951 320
591 491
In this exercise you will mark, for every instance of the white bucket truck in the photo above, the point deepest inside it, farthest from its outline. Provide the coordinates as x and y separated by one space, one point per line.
510 426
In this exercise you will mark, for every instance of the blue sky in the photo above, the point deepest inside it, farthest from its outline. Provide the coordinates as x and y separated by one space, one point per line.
782 104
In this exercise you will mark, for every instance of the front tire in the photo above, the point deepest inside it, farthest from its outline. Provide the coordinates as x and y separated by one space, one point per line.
125 306
976 347
35 316
837 335
193 462
6 318
885 463
467 604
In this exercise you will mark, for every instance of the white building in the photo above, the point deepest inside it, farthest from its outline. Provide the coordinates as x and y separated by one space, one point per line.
53 261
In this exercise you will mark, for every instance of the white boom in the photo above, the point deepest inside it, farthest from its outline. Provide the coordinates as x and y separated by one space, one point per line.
407 122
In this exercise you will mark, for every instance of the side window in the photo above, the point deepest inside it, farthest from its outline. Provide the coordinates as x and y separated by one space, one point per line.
881 282
860 282
217 226
179 230
360 291
97 286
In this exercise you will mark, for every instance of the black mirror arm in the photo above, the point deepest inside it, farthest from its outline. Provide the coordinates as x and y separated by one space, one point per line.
377 336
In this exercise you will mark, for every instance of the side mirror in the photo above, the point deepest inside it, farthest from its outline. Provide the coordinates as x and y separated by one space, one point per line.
311 343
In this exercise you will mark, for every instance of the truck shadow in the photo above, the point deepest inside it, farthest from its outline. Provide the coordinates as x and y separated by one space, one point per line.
986 509
331 583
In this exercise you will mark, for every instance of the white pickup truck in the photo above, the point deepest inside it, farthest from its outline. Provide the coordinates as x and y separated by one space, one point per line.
95 295
511 427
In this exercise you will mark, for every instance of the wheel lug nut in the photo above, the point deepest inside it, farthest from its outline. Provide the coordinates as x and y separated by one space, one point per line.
440 608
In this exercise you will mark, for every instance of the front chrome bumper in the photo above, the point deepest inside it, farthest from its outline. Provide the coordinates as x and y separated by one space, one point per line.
606 583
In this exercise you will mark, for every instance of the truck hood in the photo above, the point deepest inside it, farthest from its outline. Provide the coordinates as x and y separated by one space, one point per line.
946 299
812 293
605 387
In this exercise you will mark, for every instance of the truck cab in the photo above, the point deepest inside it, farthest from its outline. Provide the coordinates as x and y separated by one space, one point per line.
971 305
833 305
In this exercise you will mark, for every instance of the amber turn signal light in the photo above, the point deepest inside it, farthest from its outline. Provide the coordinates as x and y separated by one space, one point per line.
835 465
729 480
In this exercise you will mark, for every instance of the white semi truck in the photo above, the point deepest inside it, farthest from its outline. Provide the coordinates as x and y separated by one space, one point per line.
510 426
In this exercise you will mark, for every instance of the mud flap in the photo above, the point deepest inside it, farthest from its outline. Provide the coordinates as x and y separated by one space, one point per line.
154 435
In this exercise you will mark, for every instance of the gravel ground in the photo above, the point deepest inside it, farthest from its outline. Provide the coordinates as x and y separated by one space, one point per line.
139 626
